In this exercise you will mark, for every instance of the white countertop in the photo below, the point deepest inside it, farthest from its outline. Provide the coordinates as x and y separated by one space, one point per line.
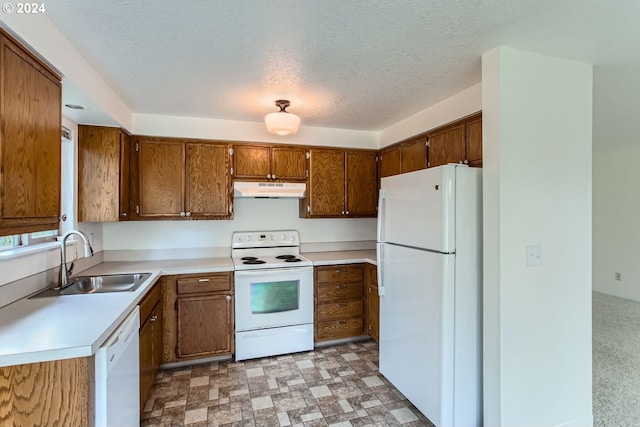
44 329
52 328
341 257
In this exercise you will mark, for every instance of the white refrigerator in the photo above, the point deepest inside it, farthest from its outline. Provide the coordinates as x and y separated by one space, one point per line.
430 286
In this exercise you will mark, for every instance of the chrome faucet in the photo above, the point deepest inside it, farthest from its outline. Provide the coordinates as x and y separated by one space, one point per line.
64 272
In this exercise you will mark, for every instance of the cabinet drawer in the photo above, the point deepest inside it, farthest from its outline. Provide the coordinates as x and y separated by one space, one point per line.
218 282
340 292
149 302
337 329
339 273
340 310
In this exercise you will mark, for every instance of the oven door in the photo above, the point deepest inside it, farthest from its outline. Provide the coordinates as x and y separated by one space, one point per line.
273 297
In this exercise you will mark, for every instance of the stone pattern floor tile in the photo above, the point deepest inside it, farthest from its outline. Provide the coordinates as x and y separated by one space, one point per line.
337 386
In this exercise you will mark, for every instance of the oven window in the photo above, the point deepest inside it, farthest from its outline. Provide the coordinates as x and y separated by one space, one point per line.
274 297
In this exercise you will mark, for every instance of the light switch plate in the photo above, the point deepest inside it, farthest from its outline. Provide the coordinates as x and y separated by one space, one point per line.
534 255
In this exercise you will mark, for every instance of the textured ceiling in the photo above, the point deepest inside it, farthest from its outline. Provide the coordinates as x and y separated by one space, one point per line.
358 64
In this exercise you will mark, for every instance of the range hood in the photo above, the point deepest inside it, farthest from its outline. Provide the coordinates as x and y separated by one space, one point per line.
292 190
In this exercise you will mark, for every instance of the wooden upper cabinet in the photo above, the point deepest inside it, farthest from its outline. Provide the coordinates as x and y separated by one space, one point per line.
103 174
177 179
474 142
390 161
447 145
458 142
289 163
160 178
413 155
260 162
404 157
208 183
362 183
325 189
341 183
30 111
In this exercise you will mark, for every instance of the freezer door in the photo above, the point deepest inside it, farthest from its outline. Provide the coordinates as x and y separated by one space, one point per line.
416 328
418 209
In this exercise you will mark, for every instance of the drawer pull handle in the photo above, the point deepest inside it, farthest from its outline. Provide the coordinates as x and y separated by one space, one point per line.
341 270
203 280
153 318
341 322
342 304
341 286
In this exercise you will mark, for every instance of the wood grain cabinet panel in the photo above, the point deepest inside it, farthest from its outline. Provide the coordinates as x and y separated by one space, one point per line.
447 145
179 179
103 174
57 394
339 301
30 108
342 183
372 303
198 316
151 319
269 162
474 142
413 155
390 161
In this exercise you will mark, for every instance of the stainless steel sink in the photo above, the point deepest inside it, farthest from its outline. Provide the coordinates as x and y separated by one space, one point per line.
83 285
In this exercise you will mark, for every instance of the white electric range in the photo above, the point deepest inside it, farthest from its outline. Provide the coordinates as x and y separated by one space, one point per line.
273 294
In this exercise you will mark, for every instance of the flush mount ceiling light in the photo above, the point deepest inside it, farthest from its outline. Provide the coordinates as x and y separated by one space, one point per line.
282 122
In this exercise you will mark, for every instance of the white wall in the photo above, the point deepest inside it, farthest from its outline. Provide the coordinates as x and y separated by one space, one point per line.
616 182
462 104
537 191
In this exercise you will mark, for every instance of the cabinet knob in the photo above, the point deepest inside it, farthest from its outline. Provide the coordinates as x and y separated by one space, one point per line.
153 318
203 280
273 176
341 322
341 286
341 304
347 212
342 212
341 270
187 214
466 162
124 214
228 297
183 214
268 176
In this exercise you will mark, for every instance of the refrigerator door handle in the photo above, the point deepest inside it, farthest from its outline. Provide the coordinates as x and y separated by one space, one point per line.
381 212
380 263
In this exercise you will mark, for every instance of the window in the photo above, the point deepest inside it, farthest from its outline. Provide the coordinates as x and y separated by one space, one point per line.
18 240
7 242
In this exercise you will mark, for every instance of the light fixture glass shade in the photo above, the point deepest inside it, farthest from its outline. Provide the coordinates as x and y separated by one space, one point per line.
282 123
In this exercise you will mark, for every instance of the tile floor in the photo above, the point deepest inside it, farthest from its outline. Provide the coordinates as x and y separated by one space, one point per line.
336 386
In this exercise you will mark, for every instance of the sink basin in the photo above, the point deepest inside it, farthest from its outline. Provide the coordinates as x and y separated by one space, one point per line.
83 285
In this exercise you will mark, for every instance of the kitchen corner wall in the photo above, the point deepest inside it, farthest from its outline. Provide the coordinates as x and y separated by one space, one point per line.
537 172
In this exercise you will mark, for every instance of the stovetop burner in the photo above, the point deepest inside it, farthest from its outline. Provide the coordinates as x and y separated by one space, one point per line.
285 257
249 258
292 260
253 261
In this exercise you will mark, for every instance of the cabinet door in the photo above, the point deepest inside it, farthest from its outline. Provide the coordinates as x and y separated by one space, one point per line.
326 183
362 183
157 319
103 158
390 162
208 182
161 178
30 162
125 175
413 155
474 142
289 163
251 162
447 145
373 312
205 325
147 371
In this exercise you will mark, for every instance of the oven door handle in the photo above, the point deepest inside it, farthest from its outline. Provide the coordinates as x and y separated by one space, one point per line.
272 271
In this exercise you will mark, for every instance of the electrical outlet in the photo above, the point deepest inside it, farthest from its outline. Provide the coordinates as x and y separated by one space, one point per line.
534 255
618 276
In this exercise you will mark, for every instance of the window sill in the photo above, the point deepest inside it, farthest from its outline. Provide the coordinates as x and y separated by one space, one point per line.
19 251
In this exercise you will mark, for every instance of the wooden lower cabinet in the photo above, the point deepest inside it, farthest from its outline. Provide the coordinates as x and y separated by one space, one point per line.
199 316
59 393
339 301
372 303
150 339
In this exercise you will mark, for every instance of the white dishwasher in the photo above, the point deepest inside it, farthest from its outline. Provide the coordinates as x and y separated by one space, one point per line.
118 376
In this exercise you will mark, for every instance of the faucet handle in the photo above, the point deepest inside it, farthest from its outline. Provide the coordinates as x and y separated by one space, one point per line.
70 269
